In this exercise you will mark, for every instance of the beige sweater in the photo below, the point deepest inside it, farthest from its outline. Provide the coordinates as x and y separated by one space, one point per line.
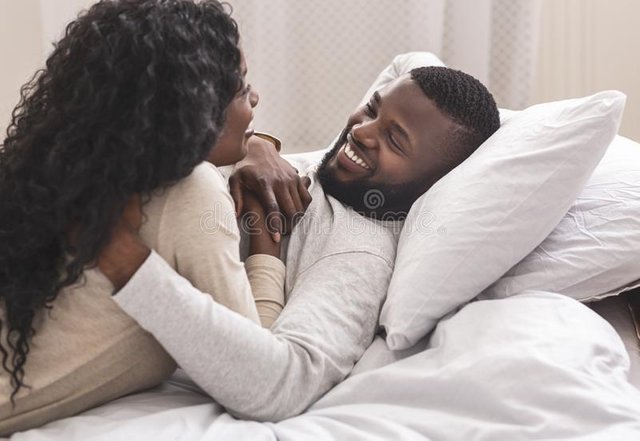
87 351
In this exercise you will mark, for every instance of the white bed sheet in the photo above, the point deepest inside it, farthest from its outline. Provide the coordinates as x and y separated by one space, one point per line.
533 366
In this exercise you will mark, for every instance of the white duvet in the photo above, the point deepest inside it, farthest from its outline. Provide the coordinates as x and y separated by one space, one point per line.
536 366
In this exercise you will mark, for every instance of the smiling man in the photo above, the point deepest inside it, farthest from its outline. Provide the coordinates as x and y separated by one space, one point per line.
339 260
408 136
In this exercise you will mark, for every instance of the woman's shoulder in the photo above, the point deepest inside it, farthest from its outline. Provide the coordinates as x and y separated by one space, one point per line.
204 177
203 191
205 184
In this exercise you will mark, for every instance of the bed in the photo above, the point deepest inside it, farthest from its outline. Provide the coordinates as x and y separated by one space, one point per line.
507 379
497 369
534 365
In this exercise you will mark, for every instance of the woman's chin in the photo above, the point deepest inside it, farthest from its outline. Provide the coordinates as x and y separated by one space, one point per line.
222 158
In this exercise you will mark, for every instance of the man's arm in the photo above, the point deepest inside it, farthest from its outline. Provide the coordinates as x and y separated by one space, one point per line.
125 252
255 373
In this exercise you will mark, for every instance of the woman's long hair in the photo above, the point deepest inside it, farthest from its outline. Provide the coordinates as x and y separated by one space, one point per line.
132 98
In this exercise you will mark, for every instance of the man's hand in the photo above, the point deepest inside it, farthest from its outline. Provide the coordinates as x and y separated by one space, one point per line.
125 252
274 181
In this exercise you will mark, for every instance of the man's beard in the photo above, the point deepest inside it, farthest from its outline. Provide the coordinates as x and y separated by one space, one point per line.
379 201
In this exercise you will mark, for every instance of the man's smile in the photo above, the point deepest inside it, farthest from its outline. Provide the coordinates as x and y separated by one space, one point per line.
350 157
351 154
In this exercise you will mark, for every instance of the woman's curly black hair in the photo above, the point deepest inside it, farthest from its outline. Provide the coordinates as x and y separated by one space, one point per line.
132 98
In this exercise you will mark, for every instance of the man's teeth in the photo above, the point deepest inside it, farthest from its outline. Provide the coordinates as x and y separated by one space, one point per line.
352 155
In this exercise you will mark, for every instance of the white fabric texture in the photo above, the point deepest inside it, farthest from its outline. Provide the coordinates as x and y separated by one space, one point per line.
616 310
595 249
536 366
491 211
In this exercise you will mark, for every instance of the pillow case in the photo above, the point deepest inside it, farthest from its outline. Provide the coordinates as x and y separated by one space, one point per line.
492 210
594 252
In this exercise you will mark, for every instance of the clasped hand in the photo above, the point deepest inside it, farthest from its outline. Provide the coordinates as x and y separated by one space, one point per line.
279 190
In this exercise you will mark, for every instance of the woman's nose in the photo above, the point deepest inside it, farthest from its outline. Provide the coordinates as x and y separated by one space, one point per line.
254 97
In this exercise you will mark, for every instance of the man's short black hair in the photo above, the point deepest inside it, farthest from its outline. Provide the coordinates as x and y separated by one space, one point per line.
466 101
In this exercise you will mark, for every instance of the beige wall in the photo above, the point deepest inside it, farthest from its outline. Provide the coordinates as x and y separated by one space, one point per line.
591 45
27 30
20 51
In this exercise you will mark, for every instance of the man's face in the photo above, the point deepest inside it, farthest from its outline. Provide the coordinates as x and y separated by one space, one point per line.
392 150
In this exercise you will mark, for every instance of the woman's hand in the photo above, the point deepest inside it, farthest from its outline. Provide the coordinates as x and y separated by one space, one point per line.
274 181
125 252
256 220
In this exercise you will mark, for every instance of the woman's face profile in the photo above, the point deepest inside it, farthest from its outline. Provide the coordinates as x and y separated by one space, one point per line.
232 143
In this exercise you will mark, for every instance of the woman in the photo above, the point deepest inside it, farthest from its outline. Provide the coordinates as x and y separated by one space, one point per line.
131 101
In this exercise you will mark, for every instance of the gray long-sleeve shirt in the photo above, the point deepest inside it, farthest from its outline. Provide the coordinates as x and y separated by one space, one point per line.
338 269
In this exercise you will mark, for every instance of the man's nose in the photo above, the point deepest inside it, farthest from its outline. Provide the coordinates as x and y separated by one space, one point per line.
364 134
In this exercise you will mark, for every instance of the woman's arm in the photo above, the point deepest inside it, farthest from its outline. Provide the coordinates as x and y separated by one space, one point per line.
197 233
126 252
328 323
264 267
254 373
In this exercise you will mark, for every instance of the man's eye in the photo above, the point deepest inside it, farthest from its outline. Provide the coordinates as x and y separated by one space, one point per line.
393 142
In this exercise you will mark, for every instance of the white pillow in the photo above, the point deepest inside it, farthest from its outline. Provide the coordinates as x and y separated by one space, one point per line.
494 209
594 252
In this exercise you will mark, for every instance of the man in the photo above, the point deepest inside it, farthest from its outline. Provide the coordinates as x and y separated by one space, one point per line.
340 254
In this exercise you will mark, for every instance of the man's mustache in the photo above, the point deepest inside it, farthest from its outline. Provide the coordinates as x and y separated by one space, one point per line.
341 139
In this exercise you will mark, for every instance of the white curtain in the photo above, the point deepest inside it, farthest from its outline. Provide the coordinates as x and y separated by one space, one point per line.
312 60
